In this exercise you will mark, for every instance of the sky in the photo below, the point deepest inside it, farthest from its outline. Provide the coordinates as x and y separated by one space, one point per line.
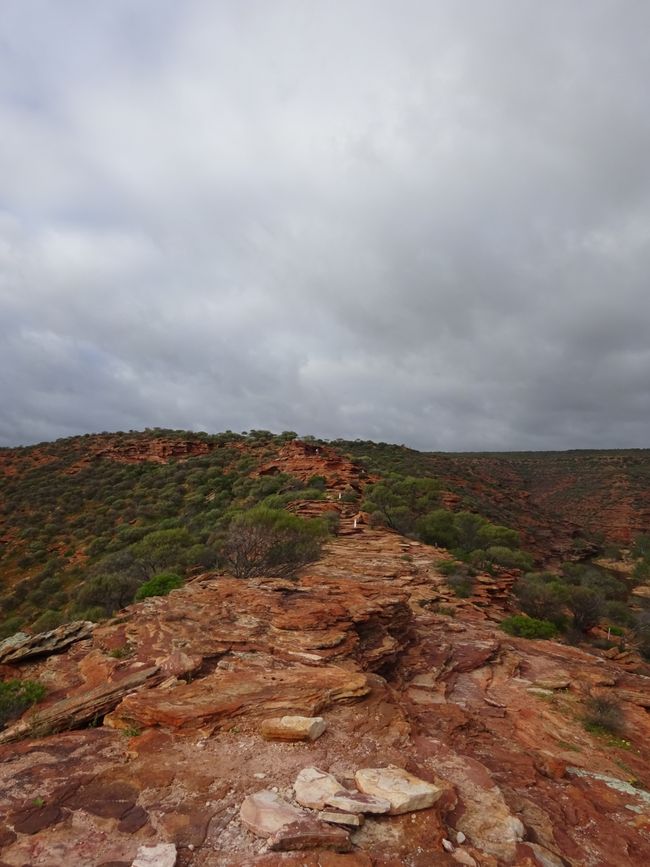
418 222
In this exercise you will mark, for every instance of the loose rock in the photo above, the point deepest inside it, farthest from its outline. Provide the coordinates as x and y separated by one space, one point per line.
354 820
404 791
162 855
316 789
358 802
309 834
293 728
313 787
265 813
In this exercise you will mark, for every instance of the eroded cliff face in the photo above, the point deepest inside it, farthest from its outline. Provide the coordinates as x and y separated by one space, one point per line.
167 699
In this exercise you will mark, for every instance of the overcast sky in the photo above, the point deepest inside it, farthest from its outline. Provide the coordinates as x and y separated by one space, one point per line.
420 222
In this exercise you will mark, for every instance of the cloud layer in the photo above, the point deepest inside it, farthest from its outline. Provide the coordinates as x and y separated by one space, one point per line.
420 222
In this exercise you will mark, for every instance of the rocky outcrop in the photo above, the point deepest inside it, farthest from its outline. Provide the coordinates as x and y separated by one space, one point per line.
21 647
304 460
412 682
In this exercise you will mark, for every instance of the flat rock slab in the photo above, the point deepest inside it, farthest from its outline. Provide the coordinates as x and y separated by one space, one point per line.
22 646
317 789
162 855
218 697
313 787
293 728
358 802
265 813
404 791
310 834
351 820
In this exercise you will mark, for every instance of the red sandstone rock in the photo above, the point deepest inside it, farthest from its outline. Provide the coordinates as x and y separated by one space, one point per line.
310 834
455 711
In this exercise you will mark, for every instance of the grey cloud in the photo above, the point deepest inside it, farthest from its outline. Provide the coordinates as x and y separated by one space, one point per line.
425 223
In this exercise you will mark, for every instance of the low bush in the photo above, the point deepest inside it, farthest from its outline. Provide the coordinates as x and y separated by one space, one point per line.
603 714
461 584
528 627
271 542
159 585
16 696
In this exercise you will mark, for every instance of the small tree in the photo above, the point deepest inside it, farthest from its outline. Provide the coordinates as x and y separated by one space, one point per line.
586 605
541 597
271 542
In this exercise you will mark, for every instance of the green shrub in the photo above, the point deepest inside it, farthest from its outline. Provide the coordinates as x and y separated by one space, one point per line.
619 613
586 605
528 627
48 620
541 597
159 585
16 696
603 713
271 542
401 500
461 584
111 591
503 556
10 626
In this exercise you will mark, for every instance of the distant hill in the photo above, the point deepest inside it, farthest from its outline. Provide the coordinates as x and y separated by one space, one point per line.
565 504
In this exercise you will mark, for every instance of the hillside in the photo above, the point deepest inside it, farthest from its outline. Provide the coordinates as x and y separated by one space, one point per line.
74 511
564 503
153 727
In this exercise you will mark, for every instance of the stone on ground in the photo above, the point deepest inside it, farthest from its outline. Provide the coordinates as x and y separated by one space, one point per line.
404 791
358 802
161 855
353 820
310 834
265 813
314 787
293 728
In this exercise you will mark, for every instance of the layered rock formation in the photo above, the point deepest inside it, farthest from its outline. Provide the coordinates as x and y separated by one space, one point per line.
151 732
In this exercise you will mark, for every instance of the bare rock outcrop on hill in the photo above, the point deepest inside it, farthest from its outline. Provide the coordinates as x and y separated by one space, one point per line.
405 674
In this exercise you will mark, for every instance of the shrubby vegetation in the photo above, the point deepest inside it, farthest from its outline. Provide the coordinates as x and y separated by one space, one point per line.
264 541
604 715
159 585
412 506
528 627
16 696
90 537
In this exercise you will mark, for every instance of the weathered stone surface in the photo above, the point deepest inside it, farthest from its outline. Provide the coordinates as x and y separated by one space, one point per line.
111 799
402 790
265 813
21 647
309 834
314 787
462 857
223 695
160 855
352 820
34 819
358 802
293 728
551 683
80 709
